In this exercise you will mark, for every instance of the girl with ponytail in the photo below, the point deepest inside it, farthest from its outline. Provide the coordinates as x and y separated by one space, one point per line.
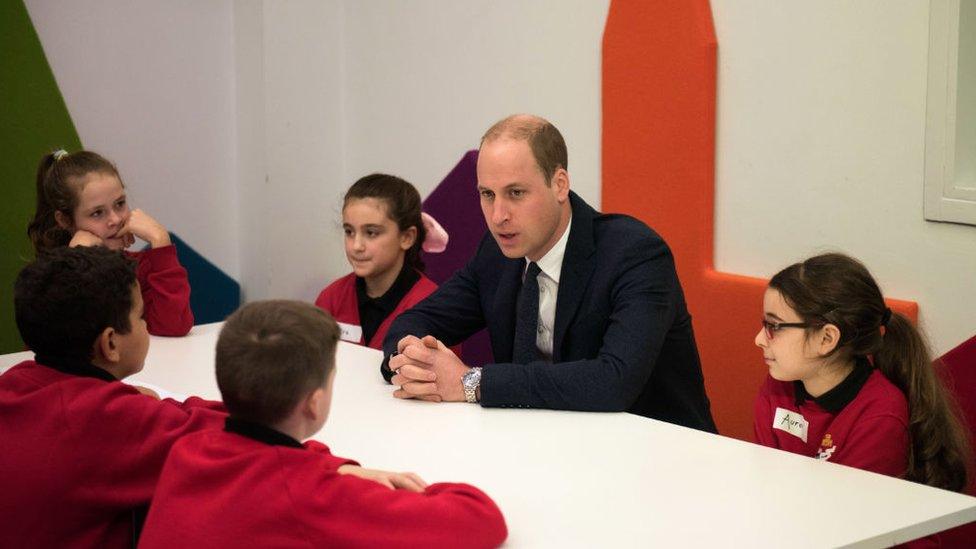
385 233
852 382
81 201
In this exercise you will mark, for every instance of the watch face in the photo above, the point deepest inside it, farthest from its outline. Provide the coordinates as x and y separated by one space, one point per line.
472 377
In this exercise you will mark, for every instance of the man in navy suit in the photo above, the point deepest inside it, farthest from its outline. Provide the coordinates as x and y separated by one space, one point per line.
584 310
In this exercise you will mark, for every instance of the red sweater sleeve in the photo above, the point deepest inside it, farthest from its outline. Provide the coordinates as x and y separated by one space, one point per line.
332 462
197 402
347 509
165 292
137 431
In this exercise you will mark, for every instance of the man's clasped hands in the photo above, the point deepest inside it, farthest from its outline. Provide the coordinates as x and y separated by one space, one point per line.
426 369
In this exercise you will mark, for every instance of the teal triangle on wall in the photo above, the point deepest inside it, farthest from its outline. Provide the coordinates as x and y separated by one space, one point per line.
213 293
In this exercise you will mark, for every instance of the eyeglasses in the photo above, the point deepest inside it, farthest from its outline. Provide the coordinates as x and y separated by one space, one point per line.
772 327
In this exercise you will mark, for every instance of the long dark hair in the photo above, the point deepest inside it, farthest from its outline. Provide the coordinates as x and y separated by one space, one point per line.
836 289
402 206
59 175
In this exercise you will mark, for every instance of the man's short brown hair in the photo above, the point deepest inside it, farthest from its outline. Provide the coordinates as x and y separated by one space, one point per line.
270 355
547 144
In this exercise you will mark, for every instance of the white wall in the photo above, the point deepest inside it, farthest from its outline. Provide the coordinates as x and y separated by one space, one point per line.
150 85
252 166
353 88
290 66
426 78
821 119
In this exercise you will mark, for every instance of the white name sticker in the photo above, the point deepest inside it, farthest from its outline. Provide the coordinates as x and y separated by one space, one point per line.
791 422
350 332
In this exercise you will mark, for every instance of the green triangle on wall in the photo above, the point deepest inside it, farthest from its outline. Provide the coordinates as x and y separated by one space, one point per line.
34 121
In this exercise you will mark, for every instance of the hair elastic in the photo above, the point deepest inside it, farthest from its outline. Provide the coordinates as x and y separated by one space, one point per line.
885 317
436 240
59 154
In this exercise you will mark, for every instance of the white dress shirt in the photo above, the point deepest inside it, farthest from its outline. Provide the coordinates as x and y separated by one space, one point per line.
550 266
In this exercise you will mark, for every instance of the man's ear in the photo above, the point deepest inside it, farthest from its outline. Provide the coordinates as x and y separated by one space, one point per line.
62 220
829 338
105 347
560 181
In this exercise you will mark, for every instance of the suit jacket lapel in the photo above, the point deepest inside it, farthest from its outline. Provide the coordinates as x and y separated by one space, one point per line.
578 265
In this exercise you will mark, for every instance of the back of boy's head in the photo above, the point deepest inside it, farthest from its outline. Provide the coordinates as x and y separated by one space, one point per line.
66 297
58 187
272 354
403 206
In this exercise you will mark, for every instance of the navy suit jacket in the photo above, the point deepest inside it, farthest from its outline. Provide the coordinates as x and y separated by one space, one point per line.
623 339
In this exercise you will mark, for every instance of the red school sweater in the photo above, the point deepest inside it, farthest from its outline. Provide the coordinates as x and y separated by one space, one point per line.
339 300
225 489
862 423
81 453
165 291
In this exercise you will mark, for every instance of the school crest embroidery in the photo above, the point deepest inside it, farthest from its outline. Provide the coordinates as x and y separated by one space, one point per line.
827 448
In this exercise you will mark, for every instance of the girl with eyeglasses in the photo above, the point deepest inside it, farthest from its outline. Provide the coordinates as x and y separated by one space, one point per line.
852 382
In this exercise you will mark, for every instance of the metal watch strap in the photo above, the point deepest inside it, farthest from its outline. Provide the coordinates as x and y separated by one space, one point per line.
471 389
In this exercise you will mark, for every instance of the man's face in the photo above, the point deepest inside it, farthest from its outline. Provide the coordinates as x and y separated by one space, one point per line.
521 210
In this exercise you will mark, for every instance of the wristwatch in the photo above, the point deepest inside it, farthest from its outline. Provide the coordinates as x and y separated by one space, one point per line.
470 381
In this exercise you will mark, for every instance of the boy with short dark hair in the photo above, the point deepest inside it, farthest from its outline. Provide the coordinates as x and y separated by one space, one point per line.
80 451
255 485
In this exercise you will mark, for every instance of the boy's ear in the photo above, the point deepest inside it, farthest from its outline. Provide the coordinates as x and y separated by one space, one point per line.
408 237
105 347
62 220
829 338
311 404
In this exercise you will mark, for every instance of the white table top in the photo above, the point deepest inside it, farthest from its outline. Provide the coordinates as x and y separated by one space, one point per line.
573 479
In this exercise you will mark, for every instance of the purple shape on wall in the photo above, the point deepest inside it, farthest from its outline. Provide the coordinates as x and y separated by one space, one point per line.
456 206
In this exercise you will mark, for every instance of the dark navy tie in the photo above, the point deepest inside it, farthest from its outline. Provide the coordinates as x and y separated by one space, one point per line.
527 319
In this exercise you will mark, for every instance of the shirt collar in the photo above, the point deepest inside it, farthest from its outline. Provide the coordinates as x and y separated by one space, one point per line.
74 366
260 433
551 264
405 280
840 396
